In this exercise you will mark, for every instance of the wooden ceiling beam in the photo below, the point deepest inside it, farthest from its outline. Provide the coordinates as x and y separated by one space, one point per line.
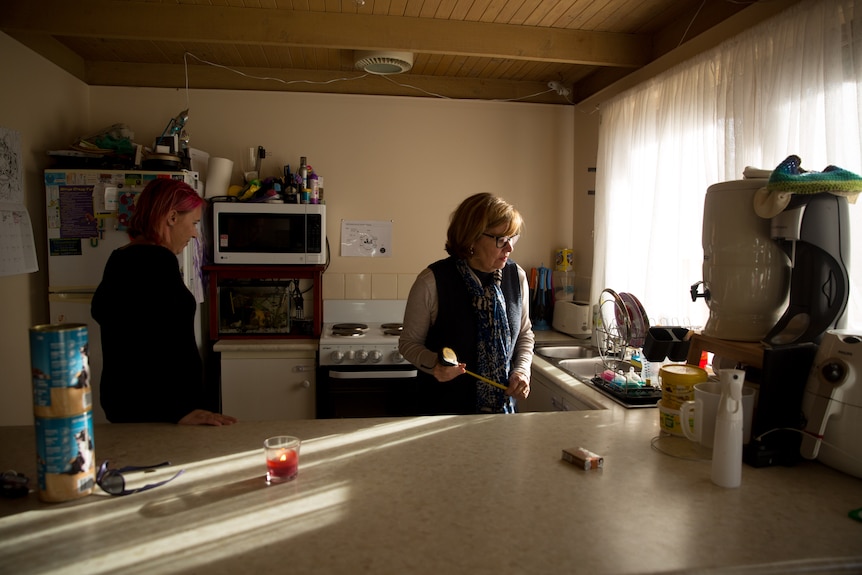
229 25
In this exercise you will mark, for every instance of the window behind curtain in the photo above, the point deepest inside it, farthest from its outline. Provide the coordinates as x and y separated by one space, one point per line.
792 85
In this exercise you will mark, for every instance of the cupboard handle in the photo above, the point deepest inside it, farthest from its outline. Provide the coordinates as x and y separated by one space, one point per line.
306 384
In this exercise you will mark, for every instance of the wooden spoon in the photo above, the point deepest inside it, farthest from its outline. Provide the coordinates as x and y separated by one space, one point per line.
449 357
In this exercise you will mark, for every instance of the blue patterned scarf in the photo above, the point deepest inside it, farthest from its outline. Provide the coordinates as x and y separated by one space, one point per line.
494 340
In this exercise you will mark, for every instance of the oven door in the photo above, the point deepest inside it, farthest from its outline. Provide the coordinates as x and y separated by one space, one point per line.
366 391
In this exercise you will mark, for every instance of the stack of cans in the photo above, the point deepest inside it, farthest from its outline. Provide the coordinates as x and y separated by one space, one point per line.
63 411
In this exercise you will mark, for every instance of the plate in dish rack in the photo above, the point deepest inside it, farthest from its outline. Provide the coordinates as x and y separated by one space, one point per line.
637 318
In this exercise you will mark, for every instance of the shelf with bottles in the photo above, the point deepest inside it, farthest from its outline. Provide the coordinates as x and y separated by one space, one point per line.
265 301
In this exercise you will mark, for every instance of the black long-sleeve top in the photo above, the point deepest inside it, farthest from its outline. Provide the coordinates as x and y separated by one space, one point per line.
152 370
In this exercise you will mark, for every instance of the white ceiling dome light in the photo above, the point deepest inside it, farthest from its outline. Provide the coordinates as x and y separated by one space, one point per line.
383 62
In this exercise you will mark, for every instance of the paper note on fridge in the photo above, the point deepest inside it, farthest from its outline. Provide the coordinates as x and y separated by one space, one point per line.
77 219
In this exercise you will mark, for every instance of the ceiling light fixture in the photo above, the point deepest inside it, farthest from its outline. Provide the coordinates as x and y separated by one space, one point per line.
383 62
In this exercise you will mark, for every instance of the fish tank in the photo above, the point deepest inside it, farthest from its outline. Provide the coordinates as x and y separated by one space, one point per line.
265 307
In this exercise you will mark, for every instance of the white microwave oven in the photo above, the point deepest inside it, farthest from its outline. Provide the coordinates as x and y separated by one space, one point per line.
264 233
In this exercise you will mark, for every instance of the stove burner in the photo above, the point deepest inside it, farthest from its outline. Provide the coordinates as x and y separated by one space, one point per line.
347 332
350 326
397 326
392 331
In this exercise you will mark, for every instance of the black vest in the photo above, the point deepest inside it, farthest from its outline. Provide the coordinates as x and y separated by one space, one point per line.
455 327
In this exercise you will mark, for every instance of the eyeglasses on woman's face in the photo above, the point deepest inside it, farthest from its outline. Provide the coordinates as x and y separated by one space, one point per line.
112 480
503 240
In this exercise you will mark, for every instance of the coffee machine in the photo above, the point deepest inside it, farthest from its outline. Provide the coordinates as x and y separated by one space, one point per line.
814 231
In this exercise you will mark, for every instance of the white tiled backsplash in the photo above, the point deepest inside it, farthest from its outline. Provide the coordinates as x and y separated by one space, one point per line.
367 286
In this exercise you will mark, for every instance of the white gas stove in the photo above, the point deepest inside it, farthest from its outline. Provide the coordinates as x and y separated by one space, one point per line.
361 332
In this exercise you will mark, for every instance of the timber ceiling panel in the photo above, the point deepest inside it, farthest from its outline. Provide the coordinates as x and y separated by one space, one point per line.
474 49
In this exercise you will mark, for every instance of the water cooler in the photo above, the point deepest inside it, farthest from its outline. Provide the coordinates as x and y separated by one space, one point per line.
746 274
781 282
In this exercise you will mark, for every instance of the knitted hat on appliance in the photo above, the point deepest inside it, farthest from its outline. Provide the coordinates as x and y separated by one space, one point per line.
789 178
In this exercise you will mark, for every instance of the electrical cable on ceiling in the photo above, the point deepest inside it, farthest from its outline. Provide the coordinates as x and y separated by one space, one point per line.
558 89
687 28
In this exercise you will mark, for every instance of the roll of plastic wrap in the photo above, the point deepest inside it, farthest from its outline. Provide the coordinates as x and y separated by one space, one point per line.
219 171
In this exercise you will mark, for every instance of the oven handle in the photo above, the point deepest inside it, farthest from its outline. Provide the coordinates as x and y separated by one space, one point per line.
374 374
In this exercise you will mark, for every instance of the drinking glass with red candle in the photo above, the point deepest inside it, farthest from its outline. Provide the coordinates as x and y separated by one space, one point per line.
282 458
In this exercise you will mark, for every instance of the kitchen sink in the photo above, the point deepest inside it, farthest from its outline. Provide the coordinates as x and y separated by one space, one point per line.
584 368
566 352
588 368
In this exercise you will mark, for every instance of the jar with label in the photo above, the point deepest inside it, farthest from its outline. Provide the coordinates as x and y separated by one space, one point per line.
313 186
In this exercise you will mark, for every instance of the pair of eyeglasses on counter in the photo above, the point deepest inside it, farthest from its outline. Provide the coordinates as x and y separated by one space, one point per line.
112 481
503 240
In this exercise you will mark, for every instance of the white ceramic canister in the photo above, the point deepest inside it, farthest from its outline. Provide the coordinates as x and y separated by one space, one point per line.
746 272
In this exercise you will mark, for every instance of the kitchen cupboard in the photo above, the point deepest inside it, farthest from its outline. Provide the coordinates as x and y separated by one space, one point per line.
545 395
265 381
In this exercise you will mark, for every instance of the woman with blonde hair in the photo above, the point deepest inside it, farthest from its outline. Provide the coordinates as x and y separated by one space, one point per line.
475 302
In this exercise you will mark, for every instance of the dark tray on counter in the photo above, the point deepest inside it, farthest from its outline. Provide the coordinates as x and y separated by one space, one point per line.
630 397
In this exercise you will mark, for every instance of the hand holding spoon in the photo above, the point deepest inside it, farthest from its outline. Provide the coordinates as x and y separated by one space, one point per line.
448 357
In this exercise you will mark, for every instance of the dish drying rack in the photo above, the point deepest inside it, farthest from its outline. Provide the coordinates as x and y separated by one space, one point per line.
621 325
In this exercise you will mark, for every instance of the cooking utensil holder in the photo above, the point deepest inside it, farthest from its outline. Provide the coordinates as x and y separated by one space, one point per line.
666 342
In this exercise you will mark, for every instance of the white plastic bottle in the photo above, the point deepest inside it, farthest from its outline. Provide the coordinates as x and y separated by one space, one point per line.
727 447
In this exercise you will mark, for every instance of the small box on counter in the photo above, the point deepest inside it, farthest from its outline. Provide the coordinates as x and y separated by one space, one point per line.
580 457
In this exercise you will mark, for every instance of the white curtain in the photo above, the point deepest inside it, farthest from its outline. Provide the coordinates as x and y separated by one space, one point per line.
792 85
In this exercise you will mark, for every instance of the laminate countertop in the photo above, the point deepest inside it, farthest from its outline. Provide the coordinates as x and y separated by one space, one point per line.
430 495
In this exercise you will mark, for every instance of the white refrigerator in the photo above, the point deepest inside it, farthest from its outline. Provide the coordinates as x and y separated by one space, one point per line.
86 213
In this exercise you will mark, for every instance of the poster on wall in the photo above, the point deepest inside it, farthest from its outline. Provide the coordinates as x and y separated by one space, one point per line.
17 248
370 239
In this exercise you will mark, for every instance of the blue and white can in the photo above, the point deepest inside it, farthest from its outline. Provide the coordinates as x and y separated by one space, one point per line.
65 457
60 367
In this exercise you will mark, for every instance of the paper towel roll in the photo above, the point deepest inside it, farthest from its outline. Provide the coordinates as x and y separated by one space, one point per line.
219 172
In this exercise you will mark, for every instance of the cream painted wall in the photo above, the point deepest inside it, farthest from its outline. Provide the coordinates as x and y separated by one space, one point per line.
408 160
49 108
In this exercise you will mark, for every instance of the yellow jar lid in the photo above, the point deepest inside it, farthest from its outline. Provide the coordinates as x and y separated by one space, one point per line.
682 374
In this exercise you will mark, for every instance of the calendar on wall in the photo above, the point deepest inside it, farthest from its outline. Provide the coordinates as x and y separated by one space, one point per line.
17 249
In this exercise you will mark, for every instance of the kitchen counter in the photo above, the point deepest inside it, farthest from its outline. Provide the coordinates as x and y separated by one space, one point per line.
449 494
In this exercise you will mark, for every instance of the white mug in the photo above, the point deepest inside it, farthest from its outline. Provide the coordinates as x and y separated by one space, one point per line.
702 411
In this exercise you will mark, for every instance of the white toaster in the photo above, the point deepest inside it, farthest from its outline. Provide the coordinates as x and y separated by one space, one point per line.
573 318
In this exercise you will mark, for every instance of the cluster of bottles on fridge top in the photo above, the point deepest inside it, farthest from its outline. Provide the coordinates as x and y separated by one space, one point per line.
304 186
